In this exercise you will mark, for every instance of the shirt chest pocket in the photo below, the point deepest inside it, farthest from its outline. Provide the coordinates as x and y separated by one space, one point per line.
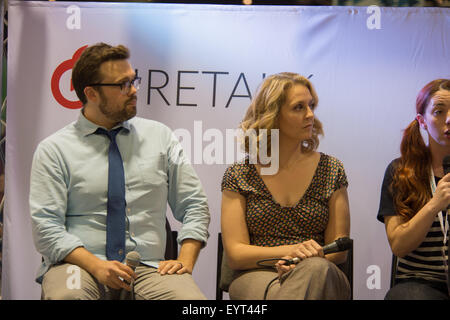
150 172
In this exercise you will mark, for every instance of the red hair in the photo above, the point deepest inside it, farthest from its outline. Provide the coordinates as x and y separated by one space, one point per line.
411 184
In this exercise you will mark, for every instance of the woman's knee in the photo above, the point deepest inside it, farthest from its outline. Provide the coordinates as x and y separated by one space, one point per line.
314 265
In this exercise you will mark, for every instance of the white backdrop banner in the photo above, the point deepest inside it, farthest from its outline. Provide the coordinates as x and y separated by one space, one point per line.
200 66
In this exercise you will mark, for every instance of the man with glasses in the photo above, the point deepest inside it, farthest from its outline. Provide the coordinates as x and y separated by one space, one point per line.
100 187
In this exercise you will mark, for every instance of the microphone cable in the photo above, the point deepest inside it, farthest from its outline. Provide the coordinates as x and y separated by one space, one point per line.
268 286
270 263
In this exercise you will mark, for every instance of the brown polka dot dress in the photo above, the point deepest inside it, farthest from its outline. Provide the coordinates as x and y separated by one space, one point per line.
271 224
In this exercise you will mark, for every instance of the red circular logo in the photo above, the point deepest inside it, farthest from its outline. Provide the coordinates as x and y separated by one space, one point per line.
56 77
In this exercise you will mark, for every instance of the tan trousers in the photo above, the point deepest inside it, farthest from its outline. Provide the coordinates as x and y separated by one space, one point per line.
312 279
149 285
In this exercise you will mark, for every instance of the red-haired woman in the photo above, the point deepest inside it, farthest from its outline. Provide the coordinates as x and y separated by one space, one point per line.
414 199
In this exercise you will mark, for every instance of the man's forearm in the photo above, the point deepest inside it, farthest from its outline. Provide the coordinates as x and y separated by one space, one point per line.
83 258
189 252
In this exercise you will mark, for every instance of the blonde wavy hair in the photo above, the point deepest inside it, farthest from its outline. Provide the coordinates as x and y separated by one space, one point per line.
263 112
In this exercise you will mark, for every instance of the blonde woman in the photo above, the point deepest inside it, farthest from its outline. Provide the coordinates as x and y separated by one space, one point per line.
292 213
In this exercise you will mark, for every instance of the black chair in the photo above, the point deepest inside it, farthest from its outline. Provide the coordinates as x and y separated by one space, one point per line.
171 243
347 268
225 274
394 270
221 282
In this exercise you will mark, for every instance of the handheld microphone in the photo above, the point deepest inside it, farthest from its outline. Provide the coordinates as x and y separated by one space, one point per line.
337 245
446 164
446 167
132 259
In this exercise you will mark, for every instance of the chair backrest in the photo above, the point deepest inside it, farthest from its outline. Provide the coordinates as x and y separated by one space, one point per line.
171 243
347 268
220 262
225 273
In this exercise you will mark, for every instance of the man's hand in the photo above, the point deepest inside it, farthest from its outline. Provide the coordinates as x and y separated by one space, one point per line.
172 266
112 274
109 273
189 251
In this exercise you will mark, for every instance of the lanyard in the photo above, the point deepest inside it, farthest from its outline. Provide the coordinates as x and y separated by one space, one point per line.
444 225
444 229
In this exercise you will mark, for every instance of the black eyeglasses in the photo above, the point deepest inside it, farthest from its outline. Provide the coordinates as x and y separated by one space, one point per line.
124 86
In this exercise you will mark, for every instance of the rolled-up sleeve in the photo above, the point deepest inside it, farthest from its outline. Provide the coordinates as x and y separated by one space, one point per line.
187 198
48 204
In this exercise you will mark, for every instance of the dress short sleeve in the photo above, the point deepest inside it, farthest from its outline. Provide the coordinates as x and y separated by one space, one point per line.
341 181
230 181
241 177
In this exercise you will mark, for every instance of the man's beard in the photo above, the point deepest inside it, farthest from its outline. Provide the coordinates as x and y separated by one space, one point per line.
123 114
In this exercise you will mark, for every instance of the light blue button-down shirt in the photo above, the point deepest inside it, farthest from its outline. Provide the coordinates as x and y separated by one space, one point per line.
69 183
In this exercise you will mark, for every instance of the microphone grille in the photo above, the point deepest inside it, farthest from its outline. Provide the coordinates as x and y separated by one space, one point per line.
446 164
133 258
344 243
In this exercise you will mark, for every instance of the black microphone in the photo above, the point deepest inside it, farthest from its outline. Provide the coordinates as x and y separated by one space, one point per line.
337 245
132 259
446 167
446 164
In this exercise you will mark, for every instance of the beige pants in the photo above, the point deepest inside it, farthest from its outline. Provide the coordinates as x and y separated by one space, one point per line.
149 285
312 279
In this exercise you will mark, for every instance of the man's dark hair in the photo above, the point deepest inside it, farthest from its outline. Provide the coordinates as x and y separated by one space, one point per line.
86 69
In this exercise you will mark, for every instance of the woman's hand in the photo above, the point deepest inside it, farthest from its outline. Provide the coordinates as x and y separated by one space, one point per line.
406 235
441 198
302 251
307 249
281 266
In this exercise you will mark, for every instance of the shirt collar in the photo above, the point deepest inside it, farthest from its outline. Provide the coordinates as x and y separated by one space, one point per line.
87 127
